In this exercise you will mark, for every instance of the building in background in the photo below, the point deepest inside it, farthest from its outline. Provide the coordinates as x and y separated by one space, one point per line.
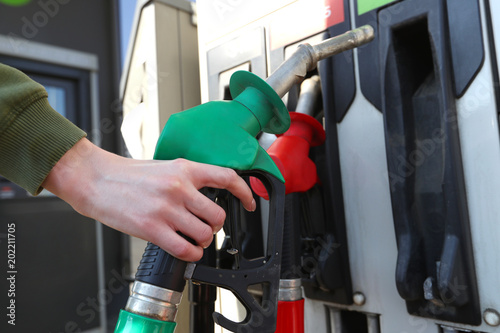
72 273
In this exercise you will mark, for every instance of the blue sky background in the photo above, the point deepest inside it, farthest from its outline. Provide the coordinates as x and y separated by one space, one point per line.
126 10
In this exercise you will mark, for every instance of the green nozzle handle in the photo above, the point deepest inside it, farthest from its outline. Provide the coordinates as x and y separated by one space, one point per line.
223 132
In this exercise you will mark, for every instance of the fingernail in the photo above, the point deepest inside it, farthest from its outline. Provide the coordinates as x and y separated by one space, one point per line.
254 205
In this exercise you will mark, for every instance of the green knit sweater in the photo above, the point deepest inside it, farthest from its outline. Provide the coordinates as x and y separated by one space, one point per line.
33 137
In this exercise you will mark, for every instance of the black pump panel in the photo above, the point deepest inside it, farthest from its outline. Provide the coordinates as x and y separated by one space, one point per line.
368 56
463 33
466 42
337 74
325 257
435 270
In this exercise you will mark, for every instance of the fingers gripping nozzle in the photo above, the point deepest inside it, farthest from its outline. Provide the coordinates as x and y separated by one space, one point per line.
264 271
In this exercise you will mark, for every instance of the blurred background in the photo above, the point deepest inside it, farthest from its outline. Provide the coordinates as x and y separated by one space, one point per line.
73 273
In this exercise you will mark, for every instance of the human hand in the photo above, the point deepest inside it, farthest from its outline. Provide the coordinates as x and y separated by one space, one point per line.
152 200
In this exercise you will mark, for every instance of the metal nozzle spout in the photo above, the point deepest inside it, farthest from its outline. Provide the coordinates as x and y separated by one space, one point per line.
344 42
309 91
153 302
294 69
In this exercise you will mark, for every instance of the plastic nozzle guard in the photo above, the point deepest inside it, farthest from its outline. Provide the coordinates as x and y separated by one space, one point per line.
290 152
223 132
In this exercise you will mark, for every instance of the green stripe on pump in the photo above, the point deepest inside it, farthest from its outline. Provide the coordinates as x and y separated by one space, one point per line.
365 6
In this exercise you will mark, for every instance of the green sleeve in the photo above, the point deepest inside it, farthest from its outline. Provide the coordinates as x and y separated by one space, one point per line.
33 136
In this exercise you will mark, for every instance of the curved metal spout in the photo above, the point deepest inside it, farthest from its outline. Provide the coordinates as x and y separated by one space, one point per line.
306 57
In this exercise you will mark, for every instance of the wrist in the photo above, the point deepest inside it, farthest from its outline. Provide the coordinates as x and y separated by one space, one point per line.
74 174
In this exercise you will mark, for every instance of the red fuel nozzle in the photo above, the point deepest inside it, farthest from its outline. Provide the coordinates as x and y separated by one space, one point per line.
290 152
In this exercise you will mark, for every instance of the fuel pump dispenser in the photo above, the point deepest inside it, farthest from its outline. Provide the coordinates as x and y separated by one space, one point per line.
220 127
409 168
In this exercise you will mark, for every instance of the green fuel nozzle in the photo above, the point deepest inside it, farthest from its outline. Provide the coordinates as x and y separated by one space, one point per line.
224 133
